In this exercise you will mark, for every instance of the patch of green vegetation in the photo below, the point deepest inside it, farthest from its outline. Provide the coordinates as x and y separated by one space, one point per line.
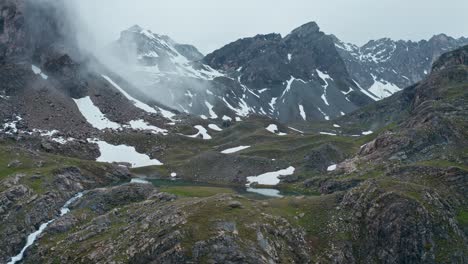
462 217
196 191
442 164
201 224
37 169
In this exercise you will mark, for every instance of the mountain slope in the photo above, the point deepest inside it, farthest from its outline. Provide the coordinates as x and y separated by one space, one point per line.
386 66
267 75
304 76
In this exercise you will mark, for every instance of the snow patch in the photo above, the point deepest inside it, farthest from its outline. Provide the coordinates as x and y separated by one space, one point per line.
297 130
302 112
234 150
38 71
365 133
325 77
288 86
331 168
142 125
364 91
274 129
324 114
93 115
227 118
215 127
136 102
213 115
123 153
201 132
327 133
383 89
270 178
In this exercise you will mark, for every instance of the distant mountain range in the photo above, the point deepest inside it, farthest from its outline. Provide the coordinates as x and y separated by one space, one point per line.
305 76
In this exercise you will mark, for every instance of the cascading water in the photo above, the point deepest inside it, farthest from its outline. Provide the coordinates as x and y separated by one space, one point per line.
33 236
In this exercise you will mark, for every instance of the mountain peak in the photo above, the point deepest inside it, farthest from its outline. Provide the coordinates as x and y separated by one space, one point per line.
135 28
441 38
306 29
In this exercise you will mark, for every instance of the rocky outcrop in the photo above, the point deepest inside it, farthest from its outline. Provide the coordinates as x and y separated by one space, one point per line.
458 57
23 208
393 227
159 230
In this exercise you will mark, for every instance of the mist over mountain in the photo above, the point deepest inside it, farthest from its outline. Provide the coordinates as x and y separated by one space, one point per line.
307 75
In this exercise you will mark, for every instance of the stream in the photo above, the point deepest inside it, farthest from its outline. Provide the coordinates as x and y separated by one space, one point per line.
33 236
256 193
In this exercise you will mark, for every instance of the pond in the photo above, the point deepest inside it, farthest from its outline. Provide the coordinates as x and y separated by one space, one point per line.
200 189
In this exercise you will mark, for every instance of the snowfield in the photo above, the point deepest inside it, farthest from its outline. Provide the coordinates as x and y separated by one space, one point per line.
383 89
270 178
210 107
136 102
234 150
327 133
38 71
201 131
302 112
93 115
215 127
123 153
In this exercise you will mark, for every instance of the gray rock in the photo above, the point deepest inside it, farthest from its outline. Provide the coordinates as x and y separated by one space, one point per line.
235 204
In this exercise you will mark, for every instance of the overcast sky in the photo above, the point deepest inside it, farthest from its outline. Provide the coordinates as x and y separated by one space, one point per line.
210 24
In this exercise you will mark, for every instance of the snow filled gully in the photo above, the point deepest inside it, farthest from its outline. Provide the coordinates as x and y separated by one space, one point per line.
33 236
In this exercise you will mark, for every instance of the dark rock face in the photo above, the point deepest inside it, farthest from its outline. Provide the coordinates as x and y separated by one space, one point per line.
30 28
391 228
270 60
189 51
323 156
303 68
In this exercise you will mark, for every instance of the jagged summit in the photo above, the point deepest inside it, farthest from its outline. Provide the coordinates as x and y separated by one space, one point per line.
306 29
152 45
135 28
267 74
